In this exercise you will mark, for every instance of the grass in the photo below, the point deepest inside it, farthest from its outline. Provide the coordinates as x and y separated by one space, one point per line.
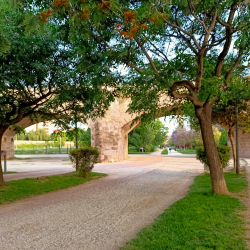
199 221
42 151
9 172
23 188
186 151
133 151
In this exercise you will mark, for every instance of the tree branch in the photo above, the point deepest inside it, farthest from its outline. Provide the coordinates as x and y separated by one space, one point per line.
236 64
190 96
146 54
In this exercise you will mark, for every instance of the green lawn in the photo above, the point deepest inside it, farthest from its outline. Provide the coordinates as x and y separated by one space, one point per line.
199 221
135 152
186 151
24 188
9 172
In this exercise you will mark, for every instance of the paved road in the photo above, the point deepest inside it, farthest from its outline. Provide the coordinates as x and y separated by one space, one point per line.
99 215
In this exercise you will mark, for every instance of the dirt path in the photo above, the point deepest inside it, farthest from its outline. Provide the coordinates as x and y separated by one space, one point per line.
102 214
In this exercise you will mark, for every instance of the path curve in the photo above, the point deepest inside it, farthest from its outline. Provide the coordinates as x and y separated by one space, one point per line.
102 214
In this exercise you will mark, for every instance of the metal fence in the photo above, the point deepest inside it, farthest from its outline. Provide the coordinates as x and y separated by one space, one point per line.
46 150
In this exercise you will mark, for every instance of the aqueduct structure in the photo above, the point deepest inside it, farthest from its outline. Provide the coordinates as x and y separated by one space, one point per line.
110 134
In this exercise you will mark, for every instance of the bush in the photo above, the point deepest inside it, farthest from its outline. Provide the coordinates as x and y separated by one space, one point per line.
83 159
152 148
224 154
164 151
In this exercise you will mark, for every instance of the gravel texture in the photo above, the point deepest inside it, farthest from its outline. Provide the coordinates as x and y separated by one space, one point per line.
102 214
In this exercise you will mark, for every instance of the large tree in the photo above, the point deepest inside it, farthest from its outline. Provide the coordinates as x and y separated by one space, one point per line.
41 76
187 49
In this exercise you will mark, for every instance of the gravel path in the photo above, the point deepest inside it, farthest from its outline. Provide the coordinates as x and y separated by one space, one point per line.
102 214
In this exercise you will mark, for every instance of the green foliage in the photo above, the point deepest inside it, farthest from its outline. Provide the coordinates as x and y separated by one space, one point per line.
24 188
153 133
85 137
42 64
164 151
59 138
84 159
217 135
224 154
223 138
201 220
39 135
152 148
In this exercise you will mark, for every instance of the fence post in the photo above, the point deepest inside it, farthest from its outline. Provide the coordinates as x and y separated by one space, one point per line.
5 164
59 149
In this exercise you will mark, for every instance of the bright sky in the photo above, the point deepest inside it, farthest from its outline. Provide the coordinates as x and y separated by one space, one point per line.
172 124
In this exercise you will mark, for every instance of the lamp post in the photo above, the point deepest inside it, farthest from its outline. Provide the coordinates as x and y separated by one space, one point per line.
237 136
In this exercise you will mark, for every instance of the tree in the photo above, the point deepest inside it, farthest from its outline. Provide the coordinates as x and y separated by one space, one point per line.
40 76
160 133
142 136
39 135
85 137
152 133
223 137
216 136
223 111
187 47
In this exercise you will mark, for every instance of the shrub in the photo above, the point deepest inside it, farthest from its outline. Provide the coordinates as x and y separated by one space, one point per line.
152 148
83 159
224 154
164 151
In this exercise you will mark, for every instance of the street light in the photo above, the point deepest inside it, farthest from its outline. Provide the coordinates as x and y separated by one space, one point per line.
237 136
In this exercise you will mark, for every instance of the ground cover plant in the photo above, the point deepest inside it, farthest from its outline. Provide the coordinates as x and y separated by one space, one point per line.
133 150
164 152
201 220
9 172
186 151
24 188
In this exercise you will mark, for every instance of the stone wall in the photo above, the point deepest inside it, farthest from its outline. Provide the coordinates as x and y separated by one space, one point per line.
244 144
8 145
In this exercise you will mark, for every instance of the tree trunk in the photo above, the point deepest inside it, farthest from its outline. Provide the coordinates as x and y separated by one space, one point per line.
216 172
231 138
2 130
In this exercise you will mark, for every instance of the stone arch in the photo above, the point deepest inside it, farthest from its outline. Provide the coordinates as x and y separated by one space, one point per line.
8 136
110 134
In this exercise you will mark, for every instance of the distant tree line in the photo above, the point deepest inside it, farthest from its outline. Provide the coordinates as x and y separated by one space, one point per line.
149 135
84 136
192 138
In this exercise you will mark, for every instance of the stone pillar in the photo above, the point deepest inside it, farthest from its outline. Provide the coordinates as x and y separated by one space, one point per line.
109 136
8 145
110 139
